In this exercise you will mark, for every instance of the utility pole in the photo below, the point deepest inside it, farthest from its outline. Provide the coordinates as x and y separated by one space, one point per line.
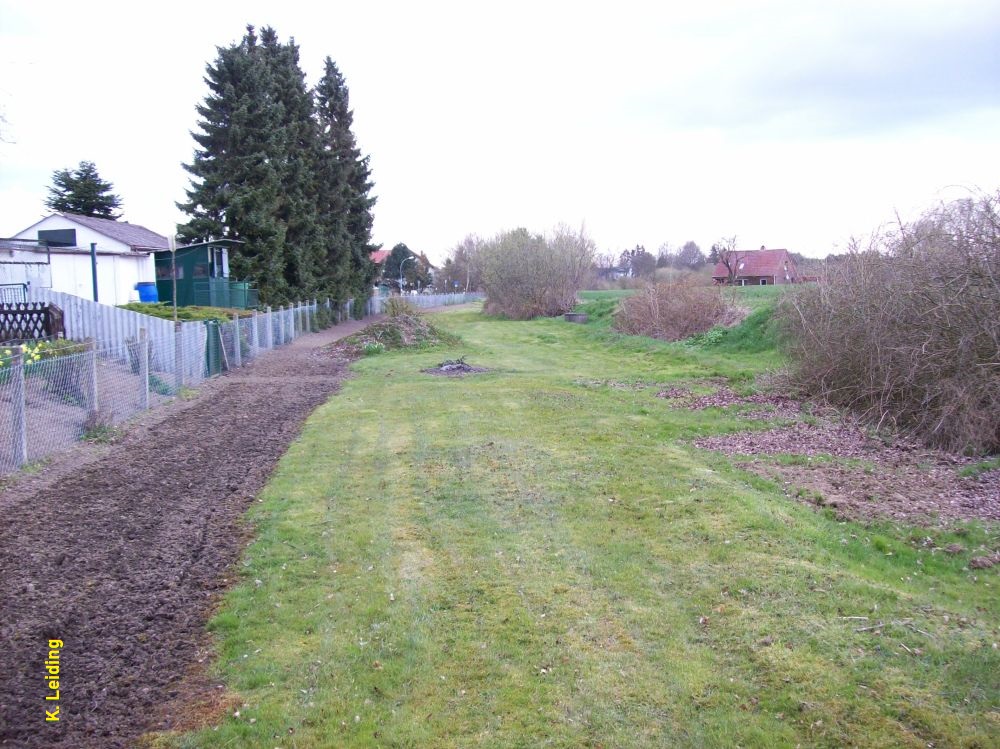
411 257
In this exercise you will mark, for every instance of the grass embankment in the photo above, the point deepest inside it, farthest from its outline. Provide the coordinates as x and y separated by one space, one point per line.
536 557
756 335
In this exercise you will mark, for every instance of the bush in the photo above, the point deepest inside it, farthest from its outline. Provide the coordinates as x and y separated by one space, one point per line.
396 306
323 318
905 332
527 275
672 311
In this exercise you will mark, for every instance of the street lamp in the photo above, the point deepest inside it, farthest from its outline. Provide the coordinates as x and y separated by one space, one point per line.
411 257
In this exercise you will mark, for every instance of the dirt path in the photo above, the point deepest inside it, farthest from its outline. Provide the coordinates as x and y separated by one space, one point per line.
119 552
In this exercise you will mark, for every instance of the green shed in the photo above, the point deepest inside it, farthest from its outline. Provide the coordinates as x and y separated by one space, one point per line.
201 271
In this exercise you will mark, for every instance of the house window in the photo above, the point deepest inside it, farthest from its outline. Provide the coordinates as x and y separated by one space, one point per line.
743 282
163 272
763 282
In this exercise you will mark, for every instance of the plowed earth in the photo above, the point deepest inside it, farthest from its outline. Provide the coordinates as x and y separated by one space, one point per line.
121 551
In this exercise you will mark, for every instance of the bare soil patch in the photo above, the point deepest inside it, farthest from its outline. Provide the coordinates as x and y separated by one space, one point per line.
862 477
779 406
121 551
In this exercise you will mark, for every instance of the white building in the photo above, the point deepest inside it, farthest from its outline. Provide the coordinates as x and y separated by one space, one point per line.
124 256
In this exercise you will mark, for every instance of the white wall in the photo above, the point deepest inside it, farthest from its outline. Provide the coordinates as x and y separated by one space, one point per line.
20 266
117 275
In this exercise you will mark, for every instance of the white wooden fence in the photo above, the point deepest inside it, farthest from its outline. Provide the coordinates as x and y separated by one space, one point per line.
427 300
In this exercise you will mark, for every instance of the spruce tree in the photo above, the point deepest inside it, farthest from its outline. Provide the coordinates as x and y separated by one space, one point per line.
344 198
236 173
299 142
83 192
277 167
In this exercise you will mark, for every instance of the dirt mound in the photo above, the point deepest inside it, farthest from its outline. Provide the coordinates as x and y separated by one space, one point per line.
401 331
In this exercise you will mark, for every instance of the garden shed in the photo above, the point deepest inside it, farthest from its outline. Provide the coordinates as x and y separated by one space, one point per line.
202 274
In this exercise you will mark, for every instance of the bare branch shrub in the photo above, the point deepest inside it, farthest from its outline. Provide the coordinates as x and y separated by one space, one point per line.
906 332
397 306
673 310
527 275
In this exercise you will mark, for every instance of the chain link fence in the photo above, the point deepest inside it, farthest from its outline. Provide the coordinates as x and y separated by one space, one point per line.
54 393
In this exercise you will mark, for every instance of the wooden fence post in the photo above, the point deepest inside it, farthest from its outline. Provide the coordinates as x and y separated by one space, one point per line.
281 325
269 331
237 352
179 355
91 379
254 333
143 369
19 422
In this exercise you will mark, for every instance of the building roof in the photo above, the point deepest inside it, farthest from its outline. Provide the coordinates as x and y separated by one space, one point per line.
762 262
135 236
227 243
378 256
24 245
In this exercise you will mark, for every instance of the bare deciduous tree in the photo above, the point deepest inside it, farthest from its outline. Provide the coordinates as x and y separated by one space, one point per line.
725 250
528 275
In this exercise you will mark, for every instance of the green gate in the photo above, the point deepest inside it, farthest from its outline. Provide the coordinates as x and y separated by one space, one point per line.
213 349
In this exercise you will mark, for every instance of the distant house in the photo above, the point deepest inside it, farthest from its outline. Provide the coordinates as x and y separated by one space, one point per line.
761 267
63 241
379 256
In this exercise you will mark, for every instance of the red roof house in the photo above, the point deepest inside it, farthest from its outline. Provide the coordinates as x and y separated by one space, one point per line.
761 267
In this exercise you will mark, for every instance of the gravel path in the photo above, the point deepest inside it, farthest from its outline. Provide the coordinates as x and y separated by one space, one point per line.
117 553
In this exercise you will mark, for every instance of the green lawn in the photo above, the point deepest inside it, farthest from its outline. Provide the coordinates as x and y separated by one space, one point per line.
537 557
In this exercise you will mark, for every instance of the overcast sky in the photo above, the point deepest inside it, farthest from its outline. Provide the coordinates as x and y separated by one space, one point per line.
788 124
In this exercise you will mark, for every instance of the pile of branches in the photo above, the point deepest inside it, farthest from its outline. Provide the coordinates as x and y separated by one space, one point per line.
906 331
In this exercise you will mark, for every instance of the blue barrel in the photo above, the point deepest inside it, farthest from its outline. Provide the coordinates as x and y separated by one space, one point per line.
147 291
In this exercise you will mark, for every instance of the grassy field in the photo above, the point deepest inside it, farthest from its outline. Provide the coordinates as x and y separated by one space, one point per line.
536 556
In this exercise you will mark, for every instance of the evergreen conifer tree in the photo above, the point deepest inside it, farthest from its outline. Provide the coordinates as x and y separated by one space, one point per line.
345 185
299 142
236 176
277 167
83 192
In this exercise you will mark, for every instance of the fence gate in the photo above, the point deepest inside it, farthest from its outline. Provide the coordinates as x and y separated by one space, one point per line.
23 321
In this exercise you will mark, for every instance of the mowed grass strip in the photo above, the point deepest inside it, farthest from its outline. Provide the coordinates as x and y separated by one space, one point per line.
536 557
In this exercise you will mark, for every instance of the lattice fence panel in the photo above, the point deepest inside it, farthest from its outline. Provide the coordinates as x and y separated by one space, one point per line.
25 321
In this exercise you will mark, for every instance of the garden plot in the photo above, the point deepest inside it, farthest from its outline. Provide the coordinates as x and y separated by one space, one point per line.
121 555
